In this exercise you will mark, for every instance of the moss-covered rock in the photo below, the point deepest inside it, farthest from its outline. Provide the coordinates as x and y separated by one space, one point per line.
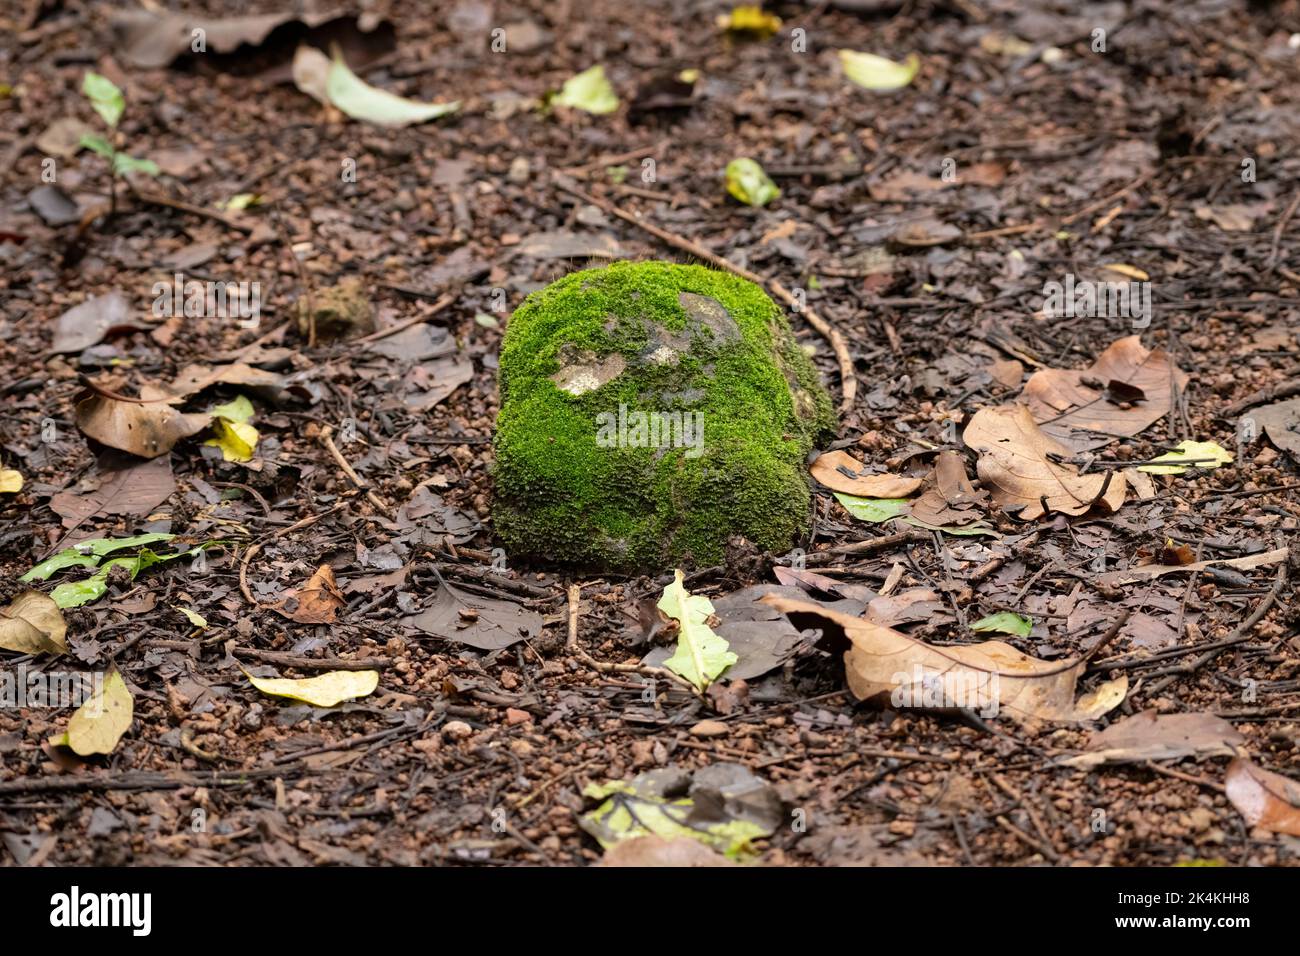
649 412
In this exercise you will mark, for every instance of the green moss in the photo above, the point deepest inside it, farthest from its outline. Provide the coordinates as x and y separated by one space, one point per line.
605 344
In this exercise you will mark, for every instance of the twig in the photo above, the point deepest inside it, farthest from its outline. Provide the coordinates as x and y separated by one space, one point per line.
848 382
402 326
327 439
256 546
158 199
571 647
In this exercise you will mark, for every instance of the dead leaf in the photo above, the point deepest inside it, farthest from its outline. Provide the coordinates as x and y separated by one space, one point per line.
486 623
1265 799
147 429
840 471
316 603
950 500
1150 571
1015 467
1073 413
991 678
1281 422
1230 218
91 322
120 485
654 850
63 137
907 607
33 624
1153 736
150 39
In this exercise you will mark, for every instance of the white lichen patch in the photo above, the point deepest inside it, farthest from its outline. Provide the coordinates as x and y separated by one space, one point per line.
586 374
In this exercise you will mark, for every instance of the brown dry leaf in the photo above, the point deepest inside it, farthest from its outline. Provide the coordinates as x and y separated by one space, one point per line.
90 322
318 602
827 470
154 38
1073 412
903 186
195 378
1265 799
1148 572
1008 372
147 429
1282 424
662 851
951 500
120 485
906 607
33 624
882 661
1152 736
1014 466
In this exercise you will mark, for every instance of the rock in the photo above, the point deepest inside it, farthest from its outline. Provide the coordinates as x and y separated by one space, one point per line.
514 716
709 728
457 730
341 311
649 413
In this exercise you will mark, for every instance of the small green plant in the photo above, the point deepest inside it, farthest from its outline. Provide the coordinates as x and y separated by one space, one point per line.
109 103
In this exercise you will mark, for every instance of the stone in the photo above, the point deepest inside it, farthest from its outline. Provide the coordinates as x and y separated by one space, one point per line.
649 413
341 311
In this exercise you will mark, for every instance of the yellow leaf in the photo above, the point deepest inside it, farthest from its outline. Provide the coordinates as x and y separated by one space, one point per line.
751 19
196 619
1132 272
100 722
1189 451
324 690
877 73
237 440
10 481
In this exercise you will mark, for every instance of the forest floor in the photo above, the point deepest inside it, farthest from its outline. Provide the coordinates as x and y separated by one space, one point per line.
922 224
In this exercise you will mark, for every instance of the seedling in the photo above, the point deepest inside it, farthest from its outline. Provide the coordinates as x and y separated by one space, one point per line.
109 103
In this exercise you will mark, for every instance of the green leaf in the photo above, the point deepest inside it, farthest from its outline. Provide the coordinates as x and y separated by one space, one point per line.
87 554
98 144
747 182
874 510
122 163
589 91
1190 450
701 654
877 73
76 593
105 97
67 558
1005 622
240 409
361 101
634 809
